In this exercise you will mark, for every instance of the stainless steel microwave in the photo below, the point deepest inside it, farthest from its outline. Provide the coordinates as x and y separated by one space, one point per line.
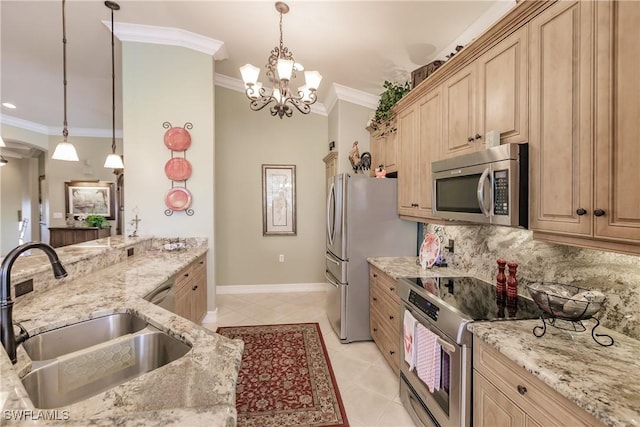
487 187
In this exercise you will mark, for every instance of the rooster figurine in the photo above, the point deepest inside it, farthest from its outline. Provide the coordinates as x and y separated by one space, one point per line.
359 163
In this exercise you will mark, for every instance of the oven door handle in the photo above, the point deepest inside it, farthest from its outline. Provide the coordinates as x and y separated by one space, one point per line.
448 347
480 192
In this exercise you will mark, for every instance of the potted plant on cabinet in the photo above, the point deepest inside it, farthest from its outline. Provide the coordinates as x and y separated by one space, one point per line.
392 94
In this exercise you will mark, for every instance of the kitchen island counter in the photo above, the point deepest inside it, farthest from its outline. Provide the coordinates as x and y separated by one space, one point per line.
196 389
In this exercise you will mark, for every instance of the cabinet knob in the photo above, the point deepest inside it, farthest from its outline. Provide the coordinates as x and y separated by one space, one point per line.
194 288
581 211
375 329
391 317
478 136
375 275
391 352
186 275
522 390
470 139
392 289
375 299
598 212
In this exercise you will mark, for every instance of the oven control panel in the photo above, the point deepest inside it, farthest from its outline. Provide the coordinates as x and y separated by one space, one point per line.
424 305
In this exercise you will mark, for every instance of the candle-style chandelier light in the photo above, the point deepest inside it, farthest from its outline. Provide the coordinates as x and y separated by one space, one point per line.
281 68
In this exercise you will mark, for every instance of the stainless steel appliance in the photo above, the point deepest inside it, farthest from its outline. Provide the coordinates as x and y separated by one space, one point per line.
163 296
444 306
488 186
362 221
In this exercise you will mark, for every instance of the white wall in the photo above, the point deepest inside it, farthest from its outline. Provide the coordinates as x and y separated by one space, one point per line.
10 203
347 123
174 84
245 140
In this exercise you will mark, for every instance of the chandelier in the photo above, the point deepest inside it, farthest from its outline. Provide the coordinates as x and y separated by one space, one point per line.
281 68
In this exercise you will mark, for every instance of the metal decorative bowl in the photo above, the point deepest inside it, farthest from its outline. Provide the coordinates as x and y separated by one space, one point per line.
566 301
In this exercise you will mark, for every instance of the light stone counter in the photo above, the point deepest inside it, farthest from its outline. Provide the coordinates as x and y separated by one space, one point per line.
196 390
604 381
398 267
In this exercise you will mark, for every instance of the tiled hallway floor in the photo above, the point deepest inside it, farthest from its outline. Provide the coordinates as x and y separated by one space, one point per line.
368 386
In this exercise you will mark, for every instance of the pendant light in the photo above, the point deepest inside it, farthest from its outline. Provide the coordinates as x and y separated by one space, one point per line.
65 150
113 161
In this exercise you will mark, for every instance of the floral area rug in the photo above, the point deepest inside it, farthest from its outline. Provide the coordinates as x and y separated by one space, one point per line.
285 378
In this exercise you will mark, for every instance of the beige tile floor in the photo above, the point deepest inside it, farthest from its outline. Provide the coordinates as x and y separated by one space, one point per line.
368 386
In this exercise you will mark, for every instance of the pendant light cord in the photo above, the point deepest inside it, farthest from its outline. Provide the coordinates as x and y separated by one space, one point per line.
113 91
65 132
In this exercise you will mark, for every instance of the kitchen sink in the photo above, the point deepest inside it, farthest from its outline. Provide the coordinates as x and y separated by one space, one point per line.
78 336
78 375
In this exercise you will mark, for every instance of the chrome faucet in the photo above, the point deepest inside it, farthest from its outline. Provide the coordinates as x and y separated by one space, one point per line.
7 335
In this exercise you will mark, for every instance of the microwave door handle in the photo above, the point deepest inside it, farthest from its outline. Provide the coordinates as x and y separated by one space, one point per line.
331 220
480 192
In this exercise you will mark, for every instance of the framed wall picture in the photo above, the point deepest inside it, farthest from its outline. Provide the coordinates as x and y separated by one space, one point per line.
90 197
278 200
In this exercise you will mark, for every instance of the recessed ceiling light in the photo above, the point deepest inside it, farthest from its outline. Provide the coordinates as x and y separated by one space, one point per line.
8 105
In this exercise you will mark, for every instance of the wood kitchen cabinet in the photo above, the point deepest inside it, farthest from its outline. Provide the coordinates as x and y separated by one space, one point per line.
505 394
584 173
419 136
490 94
384 310
331 165
191 291
383 146
64 236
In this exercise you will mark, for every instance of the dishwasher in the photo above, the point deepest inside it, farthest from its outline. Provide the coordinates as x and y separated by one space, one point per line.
163 296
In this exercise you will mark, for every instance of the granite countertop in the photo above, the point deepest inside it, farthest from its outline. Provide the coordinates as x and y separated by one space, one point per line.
604 381
197 389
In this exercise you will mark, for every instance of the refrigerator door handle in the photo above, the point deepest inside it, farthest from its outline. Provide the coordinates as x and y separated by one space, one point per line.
328 277
331 259
331 219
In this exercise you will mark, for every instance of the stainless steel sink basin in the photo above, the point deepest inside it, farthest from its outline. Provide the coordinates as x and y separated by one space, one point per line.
79 375
78 336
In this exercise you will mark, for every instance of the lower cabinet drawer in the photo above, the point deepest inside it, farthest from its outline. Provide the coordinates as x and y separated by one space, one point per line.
387 340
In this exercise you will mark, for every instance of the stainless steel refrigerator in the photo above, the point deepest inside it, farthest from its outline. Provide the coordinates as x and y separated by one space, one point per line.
362 221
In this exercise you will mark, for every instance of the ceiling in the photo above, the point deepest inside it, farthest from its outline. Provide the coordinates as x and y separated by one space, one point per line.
357 44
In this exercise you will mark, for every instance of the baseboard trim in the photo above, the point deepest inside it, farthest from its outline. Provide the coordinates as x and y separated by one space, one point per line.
272 288
210 317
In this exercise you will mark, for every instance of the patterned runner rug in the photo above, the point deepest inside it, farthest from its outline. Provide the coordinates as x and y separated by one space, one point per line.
285 377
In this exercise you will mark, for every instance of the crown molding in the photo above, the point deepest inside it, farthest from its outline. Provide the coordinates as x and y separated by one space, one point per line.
169 36
53 131
24 124
343 93
238 86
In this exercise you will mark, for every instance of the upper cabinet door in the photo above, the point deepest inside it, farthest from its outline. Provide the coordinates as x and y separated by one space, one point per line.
408 162
503 89
561 175
617 154
459 95
430 128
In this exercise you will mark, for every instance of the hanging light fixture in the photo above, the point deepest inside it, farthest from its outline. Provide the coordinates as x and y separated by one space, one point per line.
65 150
281 68
113 160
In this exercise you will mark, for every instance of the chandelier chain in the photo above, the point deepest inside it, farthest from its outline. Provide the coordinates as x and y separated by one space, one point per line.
113 91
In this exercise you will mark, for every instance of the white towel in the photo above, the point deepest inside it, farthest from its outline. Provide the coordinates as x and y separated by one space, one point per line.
428 357
409 338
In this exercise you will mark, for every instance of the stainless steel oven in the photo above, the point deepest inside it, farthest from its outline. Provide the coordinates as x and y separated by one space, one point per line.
487 187
444 306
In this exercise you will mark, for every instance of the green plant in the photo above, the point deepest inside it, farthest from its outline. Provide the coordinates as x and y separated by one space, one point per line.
96 221
393 93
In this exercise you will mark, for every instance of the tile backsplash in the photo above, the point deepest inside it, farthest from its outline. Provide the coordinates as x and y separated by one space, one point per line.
616 275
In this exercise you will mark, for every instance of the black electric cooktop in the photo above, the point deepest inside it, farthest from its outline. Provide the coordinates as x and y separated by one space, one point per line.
476 299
